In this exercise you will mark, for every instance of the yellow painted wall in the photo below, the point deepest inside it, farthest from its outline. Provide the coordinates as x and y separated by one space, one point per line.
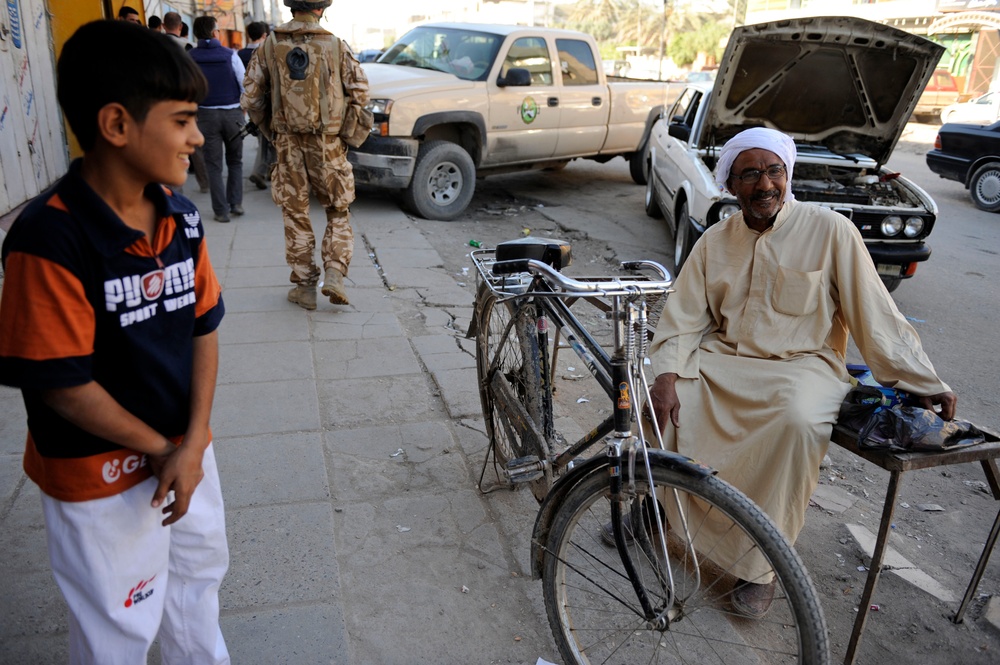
66 17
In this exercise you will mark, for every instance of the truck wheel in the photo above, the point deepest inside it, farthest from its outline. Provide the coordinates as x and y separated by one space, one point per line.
443 182
985 187
682 237
638 163
652 200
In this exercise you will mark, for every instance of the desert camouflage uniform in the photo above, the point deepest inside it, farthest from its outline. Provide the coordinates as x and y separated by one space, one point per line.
318 159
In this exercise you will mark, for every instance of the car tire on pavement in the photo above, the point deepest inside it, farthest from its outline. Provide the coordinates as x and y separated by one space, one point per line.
984 187
638 163
683 241
444 180
891 283
652 200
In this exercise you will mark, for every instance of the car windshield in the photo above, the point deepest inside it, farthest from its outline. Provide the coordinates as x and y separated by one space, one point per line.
464 53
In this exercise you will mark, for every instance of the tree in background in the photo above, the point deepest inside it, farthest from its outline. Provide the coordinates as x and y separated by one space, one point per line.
652 26
684 47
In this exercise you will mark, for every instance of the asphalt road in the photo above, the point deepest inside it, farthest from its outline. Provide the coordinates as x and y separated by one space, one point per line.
954 297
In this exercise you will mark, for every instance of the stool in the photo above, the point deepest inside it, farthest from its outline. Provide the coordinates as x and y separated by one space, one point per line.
896 463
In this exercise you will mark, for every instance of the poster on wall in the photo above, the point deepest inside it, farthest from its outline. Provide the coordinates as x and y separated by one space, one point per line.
15 23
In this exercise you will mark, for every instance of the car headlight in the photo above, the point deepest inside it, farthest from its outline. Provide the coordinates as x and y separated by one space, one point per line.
914 226
728 210
380 109
379 106
892 225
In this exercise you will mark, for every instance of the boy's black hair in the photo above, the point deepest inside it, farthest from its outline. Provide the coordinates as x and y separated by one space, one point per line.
154 22
204 26
147 67
127 11
184 29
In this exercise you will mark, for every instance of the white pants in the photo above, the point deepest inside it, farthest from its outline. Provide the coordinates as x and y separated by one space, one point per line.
127 578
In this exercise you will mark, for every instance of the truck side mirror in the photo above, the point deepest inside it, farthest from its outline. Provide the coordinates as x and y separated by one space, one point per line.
516 76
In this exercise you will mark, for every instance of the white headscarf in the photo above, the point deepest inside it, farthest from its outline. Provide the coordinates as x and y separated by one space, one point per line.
756 137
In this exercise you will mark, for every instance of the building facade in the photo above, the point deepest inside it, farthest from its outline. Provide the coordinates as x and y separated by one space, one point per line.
35 144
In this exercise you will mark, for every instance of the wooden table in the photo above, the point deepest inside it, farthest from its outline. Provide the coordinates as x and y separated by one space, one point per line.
896 463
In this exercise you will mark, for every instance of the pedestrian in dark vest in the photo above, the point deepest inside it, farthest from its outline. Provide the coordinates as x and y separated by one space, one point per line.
220 117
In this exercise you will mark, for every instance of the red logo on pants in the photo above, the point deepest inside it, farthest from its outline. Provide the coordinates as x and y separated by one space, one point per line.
139 592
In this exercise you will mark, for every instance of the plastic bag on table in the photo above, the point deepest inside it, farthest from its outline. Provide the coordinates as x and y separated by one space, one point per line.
916 429
859 406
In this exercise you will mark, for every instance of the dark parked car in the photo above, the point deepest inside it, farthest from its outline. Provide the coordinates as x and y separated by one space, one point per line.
970 154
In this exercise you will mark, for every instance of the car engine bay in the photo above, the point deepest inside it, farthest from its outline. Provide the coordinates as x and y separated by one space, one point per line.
821 183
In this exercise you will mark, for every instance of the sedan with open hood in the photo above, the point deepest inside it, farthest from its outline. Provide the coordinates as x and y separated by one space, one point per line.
843 89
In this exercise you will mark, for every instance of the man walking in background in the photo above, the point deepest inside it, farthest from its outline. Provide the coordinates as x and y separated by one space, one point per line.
220 117
130 14
174 28
304 125
257 32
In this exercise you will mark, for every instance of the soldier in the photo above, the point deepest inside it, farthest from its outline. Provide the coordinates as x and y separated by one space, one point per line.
299 104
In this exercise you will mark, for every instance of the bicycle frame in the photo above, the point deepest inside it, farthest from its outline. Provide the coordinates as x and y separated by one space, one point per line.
631 596
620 375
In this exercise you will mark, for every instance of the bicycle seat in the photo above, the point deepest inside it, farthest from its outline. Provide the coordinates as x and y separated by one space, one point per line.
555 253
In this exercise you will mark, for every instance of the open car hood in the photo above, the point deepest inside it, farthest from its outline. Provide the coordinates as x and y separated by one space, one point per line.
845 83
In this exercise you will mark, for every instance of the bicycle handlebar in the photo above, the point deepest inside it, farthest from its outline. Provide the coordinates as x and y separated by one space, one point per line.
568 285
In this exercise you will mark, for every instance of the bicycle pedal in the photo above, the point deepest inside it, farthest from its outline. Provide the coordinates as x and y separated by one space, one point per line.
524 469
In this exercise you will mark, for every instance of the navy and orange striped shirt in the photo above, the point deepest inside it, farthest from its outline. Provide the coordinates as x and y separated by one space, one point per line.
88 298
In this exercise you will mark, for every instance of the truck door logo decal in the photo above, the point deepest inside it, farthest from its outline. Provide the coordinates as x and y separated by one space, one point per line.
529 110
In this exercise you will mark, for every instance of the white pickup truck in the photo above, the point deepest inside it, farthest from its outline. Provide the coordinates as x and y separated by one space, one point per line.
457 101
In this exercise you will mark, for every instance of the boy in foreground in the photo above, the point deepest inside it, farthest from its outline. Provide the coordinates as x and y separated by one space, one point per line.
108 326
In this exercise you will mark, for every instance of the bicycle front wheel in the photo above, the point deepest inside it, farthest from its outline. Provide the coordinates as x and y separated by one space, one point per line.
593 608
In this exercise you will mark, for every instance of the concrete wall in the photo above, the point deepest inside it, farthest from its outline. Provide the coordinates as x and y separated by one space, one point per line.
32 142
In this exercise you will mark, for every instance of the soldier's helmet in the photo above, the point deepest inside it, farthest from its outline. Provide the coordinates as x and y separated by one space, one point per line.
307 4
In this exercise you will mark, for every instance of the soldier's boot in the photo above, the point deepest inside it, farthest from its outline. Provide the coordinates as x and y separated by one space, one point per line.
333 287
303 295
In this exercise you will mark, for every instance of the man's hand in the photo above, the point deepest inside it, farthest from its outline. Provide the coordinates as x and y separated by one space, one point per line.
947 401
664 399
180 471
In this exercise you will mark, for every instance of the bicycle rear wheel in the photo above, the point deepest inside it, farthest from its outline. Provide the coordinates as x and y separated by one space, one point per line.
508 365
593 609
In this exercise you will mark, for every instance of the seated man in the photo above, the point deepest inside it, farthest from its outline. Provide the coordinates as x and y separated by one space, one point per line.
752 345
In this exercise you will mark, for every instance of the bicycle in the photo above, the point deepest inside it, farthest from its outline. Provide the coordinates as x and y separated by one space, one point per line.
656 595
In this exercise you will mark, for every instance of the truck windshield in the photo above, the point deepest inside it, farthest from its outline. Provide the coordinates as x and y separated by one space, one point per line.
466 54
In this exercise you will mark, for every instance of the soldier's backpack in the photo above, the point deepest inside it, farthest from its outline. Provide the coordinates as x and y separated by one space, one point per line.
307 96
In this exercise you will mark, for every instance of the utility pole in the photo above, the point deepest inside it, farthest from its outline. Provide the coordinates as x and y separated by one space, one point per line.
739 13
663 39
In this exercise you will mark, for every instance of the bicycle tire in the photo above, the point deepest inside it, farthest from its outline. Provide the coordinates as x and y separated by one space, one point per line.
513 354
593 610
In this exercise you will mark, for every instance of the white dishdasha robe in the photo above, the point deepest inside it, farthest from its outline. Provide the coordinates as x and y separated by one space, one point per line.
757 331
